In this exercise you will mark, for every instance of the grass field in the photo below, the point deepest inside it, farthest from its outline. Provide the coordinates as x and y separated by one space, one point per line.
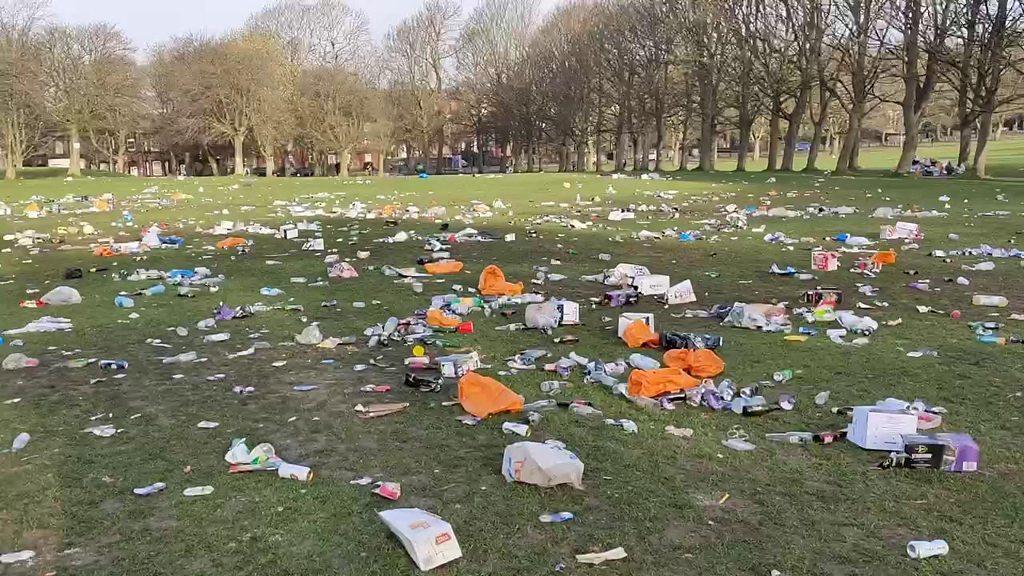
799 510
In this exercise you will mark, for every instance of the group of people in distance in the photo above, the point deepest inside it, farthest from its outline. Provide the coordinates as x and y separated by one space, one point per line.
933 167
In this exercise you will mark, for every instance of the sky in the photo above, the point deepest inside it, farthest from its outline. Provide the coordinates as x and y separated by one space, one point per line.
148 23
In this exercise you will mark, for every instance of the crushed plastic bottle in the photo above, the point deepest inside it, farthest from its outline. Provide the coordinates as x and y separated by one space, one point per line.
987 300
20 441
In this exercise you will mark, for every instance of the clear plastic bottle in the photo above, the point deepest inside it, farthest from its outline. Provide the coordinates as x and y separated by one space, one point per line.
791 437
988 300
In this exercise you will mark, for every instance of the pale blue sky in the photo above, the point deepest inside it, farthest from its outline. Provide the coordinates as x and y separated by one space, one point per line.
148 23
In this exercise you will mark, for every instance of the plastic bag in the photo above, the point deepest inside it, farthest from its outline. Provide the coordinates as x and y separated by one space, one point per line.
547 464
701 363
542 316
482 396
652 383
428 539
492 283
444 267
639 334
62 296
436 318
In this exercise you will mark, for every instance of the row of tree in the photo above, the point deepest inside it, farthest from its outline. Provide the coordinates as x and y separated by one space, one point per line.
592 79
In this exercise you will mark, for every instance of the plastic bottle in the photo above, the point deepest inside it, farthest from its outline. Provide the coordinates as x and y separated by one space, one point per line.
124 302
987 300
989 339
641 362
113 364
556 517
20 441
791 437
218 337
155 290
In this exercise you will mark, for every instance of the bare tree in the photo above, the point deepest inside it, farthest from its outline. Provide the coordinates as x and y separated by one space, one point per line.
419 51
924 27
316 32
22 84
80 64
334 112
122 114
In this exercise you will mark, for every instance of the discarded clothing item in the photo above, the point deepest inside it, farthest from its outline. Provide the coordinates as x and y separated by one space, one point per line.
493 283
652 383
638 334
482 396
428 539
44 324
548 464
701 363
444 267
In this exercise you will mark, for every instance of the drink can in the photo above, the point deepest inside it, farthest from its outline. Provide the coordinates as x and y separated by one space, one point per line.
783 375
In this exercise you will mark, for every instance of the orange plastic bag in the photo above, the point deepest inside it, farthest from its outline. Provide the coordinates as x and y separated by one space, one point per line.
443 267
652 383
482 396
104 251
492 283
883 258
639 334
231 242
702 363
436 318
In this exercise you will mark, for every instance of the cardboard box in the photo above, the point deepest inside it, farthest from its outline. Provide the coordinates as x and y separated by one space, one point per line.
289 231
950 452
652 284
458 365
902 230
681 293
627 318
569 311
824 261
876 428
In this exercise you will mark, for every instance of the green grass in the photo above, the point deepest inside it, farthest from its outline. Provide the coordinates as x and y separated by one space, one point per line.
800 510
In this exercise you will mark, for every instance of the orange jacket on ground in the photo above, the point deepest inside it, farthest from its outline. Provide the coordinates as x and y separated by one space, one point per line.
482 396
492 283
702 363
443 267
639 334
652 383
231 242
436 318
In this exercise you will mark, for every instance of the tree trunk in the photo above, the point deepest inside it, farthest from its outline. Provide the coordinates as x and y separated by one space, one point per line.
795 119
238 141
757 149
812 153
214 166
845 161
172 168
189 168
964 152
620 144
268 159
75 153
440 150
836 143
343 161
708 136
774 128
10 166
744 142
979 169
581 156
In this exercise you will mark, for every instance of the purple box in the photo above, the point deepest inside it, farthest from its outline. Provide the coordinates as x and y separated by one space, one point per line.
947 451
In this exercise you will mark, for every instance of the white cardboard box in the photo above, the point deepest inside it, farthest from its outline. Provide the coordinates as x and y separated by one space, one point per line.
876 428
652 284
627 318
681 293
570 312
